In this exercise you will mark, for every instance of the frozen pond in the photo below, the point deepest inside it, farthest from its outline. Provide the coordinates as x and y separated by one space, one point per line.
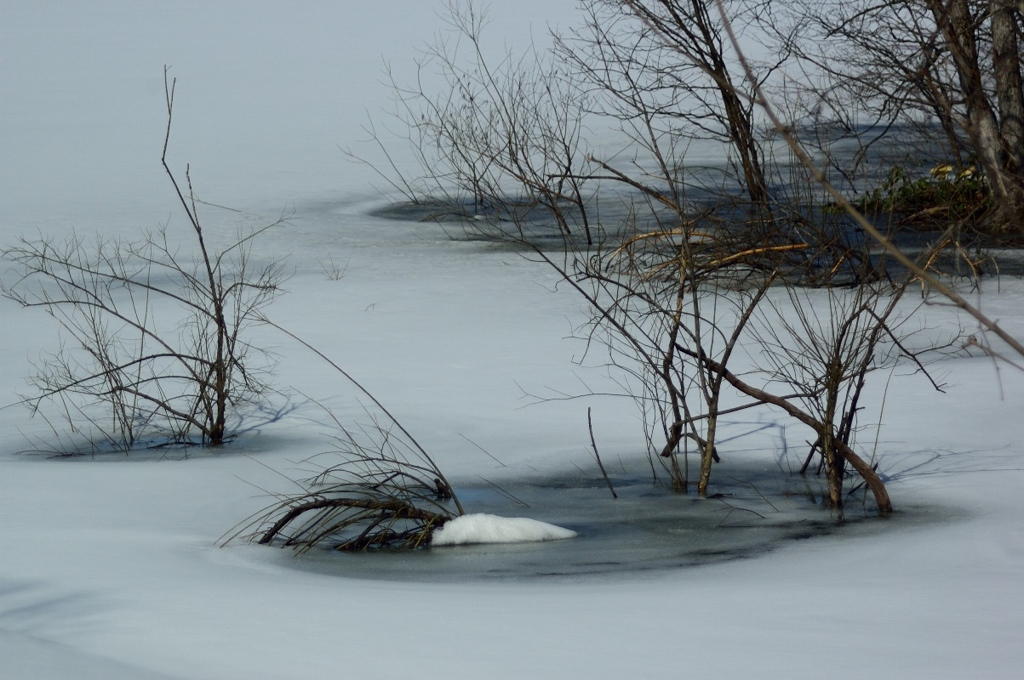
112 569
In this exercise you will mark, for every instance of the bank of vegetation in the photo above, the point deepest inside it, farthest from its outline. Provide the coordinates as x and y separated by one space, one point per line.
853 124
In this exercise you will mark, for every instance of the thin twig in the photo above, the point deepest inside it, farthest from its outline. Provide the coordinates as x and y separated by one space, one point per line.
590 426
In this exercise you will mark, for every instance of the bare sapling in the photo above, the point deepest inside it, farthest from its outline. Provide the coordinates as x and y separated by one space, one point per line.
822 347
154 345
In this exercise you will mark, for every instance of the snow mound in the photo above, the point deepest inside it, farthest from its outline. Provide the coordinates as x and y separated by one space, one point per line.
481 528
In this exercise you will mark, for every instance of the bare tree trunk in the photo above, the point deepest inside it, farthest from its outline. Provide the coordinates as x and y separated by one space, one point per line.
1006 63
741 129
959 27
957 23
707 454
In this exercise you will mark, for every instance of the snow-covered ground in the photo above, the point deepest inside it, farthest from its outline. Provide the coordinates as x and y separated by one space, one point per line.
111 569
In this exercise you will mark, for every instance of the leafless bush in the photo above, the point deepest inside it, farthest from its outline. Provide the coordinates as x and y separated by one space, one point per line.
673 265
153 347
334 271
385 491
822 347
380 495
654 245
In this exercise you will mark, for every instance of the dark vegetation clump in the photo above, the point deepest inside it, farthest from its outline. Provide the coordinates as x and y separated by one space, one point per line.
373 499
945 196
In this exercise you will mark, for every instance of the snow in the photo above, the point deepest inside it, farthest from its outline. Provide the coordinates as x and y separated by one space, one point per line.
484 528
112 567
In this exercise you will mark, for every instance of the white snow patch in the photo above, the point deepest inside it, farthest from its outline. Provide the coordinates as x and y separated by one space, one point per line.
483 528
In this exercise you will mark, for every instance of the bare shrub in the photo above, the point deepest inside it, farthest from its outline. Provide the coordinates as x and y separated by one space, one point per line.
674 261
154 348
384 492
380 495
822 348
